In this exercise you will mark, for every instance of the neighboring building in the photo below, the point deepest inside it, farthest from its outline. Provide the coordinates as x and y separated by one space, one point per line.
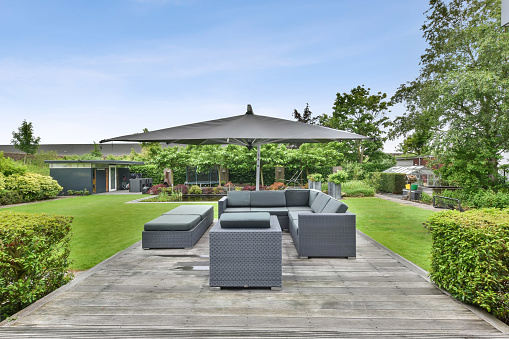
96 176
416 161
80 149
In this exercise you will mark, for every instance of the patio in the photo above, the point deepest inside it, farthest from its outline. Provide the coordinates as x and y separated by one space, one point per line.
153 293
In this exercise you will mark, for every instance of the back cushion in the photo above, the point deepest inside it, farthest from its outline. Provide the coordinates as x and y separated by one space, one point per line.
239 199
335 206
268 199
320 202
312 196
297 197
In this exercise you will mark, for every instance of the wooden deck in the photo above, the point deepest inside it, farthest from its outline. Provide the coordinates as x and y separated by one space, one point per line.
158 293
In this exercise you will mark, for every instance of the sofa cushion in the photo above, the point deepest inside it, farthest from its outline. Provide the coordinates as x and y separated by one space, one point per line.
239 199
295 214
173 223
271 210
320 202
297 197
201 210
237 210
245 220
268 198
312 196
299 209
334 206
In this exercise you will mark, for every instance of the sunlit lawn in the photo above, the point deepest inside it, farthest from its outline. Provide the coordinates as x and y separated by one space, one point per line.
397 226
104 225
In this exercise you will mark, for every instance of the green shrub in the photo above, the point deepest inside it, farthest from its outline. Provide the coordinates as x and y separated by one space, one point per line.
149 171
470 257
33 186
356 188
373 180
481 198
34 252
426 198
392 182
315 177
10 197
10 167
338 178
195 190
2 181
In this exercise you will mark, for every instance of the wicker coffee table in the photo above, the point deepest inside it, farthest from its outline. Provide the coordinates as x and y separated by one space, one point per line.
246 257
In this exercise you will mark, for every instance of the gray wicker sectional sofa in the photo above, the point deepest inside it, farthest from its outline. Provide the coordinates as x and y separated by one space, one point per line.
320 225
181 227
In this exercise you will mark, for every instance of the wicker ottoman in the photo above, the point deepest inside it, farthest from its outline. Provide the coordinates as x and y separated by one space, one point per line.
246 257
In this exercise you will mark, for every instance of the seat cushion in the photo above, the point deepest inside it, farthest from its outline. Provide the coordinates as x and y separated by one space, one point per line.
174 222
245 220
299 208
268 199
295 214
201 210
312 196
297 197
271 210
320 202
239 199
334 206
237 209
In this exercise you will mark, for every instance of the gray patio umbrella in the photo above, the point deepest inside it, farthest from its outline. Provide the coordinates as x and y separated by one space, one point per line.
248 130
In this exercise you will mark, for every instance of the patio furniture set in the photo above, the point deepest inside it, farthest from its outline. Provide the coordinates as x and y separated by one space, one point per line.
246 242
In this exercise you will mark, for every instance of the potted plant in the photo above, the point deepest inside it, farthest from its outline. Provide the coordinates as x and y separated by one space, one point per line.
315 181
334 183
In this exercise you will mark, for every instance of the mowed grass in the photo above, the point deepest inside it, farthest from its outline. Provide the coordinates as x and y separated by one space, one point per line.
397 226
103 224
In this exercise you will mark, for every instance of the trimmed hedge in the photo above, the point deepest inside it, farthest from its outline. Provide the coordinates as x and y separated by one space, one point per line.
34 252
33 186
392 182
470 257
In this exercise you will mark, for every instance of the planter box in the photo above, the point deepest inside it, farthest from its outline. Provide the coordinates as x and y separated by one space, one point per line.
315 185
334 190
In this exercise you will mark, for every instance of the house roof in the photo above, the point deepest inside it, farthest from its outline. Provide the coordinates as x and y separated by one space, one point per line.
412 170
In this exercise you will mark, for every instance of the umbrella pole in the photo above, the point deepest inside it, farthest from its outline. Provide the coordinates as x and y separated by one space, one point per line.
258 168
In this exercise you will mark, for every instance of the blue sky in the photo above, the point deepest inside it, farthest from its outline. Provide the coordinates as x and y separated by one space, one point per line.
82 71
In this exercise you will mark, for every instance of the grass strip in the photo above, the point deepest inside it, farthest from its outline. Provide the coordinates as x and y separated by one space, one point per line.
398 227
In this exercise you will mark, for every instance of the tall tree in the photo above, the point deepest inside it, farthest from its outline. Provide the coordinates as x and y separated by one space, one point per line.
306 116
24 139
362 113
460 94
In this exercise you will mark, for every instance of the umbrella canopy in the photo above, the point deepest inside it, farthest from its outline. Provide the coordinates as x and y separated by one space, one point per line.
246 130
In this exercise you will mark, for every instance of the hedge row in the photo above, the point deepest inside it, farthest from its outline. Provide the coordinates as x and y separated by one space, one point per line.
34 257
470 257
18 188
392 182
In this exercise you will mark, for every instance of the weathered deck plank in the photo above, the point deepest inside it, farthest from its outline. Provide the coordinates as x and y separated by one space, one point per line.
166 292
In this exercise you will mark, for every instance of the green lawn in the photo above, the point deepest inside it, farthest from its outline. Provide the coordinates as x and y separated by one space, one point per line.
397 226
103 224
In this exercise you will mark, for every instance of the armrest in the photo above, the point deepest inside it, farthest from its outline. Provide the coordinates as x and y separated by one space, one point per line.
221 206
326 224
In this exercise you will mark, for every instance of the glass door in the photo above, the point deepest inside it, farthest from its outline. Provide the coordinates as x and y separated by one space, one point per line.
113 178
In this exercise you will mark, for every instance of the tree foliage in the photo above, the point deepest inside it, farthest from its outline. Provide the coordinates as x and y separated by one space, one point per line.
362 113
24 138
460 94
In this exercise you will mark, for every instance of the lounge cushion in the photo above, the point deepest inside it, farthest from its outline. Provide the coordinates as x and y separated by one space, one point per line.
239 199
268 198
295 214
245 220
201 210
173 223
312 196
335 206
299 208
297 197
320 202
271 210
237 210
